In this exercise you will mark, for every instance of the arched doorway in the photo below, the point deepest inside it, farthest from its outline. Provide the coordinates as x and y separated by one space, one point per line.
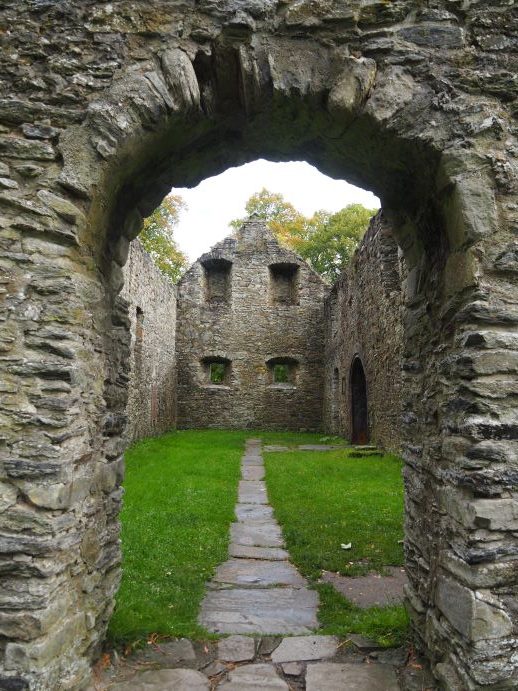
179 95
359 410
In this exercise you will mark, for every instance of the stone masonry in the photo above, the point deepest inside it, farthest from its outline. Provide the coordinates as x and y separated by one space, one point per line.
104 106
266 308
152 311
364 313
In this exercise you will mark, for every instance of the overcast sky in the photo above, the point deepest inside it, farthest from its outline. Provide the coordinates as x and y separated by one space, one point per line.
218 200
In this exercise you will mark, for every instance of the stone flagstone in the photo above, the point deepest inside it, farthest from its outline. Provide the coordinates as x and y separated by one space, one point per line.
258 573
333 676
305 648
253 512
236 649
162 679
252 492
257 534
257 590
254 678
252 552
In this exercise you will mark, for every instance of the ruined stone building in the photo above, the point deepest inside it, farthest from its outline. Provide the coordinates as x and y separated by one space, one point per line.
104 107
250 337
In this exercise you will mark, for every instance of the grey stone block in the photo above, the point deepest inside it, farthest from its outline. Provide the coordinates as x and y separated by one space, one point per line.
268 611
260 677
332 676
298 648
236 649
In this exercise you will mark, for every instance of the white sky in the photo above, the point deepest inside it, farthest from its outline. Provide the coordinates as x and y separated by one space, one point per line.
218 200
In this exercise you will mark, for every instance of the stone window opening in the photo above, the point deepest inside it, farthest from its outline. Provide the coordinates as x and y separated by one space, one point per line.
284 284
217 283
282 372
217 371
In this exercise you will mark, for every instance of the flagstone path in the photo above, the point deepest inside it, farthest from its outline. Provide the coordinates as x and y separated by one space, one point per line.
257 590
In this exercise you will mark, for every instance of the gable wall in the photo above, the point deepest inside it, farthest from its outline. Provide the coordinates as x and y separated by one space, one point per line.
248 331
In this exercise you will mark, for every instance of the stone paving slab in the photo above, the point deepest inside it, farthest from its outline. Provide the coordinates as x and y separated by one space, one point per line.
254 512
333 676
251 552
258 573
236 649
322 447
253 472
252 492
252 463
257 590
257 534
297 648
370 590
162 679
268 611
259 677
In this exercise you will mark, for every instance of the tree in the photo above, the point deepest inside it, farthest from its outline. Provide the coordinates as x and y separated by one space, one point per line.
157 237
333 238
326 240
287 224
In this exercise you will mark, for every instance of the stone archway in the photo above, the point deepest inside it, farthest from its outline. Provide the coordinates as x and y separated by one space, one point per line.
124 100
359 406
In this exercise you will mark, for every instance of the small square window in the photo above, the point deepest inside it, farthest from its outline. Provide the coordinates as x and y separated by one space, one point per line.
281 374
217 371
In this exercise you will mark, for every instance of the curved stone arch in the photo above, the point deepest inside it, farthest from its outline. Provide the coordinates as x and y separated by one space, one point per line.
219 95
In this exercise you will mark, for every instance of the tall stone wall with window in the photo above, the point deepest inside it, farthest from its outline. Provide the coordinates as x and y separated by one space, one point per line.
250 337
364 320
150 299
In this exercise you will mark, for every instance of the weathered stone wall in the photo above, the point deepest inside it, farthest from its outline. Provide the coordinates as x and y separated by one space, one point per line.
364 318
106 106
151 299
244 327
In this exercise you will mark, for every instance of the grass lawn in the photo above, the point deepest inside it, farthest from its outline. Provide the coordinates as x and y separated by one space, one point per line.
181 489
323 499
180 492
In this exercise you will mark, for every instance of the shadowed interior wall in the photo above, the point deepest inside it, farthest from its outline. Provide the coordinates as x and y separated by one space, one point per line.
268 308
364 319
151 303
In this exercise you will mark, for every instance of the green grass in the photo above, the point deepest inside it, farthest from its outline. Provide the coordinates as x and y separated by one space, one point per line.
180 492
325 499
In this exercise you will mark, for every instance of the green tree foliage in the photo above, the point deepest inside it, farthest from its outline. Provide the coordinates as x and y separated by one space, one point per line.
333 238
157 237
283 219
326 240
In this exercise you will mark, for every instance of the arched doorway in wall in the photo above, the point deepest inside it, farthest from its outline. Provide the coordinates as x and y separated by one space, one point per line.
173 116
359 408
